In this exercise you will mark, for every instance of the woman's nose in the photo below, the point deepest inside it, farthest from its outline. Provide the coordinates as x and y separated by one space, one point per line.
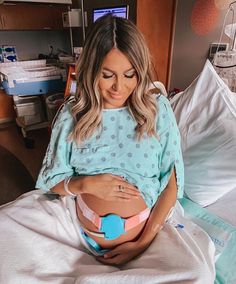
117 85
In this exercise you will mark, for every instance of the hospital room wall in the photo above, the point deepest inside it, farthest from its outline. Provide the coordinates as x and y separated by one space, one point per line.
30 43
190 48
89 5
155 19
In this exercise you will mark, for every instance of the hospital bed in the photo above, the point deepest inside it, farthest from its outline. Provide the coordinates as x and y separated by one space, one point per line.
206 115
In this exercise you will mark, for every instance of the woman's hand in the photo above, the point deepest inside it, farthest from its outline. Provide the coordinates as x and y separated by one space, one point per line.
122 253
109 187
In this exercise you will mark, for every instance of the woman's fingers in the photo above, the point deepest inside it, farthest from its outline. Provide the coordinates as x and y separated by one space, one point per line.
128 192
117 177
125 193
121 185
116 188
128 188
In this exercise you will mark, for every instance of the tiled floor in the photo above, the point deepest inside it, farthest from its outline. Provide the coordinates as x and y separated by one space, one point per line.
12 140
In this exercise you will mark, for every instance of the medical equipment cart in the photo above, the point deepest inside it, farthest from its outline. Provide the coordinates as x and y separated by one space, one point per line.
30 82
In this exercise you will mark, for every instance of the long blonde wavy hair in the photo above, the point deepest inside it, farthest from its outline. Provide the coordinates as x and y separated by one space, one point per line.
107 33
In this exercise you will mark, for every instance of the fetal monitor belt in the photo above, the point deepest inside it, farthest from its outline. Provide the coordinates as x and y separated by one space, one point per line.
111 226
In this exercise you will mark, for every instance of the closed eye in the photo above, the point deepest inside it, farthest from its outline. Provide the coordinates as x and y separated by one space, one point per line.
131 75
107 75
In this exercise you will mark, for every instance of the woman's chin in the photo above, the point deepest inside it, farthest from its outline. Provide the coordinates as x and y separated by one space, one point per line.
114 103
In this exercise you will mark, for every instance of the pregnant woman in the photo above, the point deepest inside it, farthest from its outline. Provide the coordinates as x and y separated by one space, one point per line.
116 147
115 153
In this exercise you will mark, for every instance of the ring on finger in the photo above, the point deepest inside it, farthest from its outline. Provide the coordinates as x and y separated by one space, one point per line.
121 188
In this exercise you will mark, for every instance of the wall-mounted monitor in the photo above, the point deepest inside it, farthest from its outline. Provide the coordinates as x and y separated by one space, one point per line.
119 11
42 1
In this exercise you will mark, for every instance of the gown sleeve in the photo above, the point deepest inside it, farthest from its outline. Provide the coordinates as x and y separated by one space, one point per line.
56 164
171 157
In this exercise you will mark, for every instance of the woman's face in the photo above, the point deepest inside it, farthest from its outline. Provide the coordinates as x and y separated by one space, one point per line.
117 79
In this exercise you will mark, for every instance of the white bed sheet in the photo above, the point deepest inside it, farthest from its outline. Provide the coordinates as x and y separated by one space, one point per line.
225 207
40 243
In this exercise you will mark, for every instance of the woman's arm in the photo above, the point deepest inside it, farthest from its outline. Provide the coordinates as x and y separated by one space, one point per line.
127 251
75 186
160 212
107 187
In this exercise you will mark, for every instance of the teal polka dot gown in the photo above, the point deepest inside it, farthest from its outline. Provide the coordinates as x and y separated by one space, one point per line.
147 163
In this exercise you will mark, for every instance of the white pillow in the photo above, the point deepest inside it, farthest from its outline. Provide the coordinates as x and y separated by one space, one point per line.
206 115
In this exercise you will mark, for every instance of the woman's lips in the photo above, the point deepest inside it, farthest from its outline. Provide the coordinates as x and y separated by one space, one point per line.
115 95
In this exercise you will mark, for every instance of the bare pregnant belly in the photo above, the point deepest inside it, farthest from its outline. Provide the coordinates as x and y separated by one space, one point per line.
124 209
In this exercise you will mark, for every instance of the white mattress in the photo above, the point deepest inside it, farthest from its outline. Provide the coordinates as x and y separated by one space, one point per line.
225 207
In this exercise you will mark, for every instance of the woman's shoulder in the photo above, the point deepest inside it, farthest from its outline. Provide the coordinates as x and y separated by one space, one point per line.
165 115
162 100
163 104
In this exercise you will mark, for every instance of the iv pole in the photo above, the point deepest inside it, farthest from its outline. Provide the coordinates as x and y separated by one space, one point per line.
83 18
71 38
